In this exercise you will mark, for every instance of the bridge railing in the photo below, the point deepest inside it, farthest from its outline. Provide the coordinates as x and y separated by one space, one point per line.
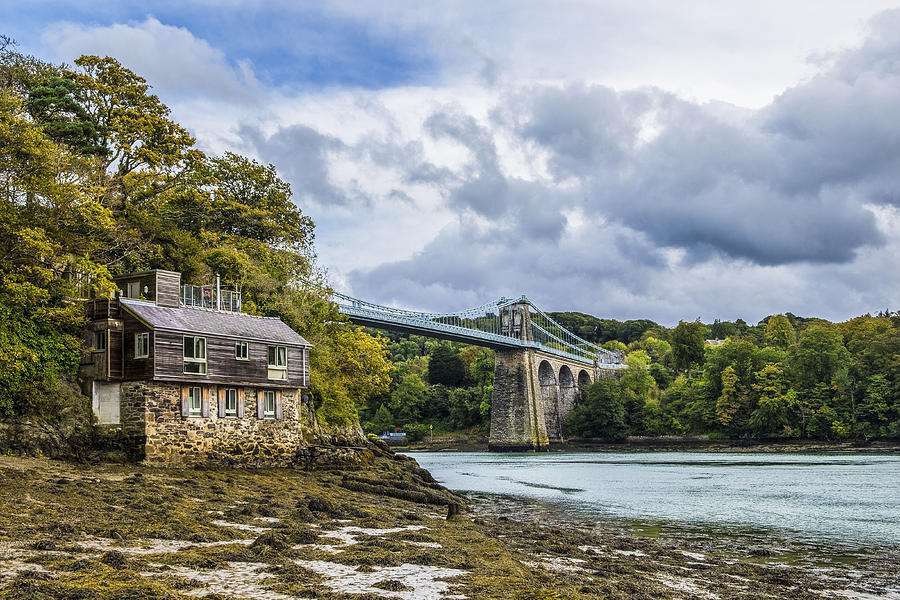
414 322
483 324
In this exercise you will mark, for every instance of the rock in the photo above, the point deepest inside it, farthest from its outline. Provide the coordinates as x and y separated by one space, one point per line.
276 541
115 559
321 504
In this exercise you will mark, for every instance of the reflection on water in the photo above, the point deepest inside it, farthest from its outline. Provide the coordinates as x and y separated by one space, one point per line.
851 499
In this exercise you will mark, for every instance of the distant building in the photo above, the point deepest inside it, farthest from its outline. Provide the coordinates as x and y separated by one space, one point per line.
189 378
714 342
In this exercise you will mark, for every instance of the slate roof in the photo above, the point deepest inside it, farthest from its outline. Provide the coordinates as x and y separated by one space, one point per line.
210 322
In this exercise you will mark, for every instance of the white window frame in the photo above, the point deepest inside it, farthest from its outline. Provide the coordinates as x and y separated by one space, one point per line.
133 289
142 344
231 402
268 404
195 394
199 342
278 367
100 340
241 351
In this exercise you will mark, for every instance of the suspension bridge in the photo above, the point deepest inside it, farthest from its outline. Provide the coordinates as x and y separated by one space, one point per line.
540 365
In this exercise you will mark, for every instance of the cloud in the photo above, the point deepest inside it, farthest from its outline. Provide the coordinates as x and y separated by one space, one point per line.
572 154
172 59
302 155
664 203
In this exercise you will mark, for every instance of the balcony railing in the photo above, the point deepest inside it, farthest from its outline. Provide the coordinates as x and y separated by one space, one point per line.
102 308
204 296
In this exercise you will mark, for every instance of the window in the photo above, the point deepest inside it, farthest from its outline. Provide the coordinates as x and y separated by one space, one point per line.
268 404
100 340
195 402
240 350
277 362
195 355
134 289
231 403
141 345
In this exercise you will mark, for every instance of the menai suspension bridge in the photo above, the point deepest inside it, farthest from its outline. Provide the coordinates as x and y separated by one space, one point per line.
503 324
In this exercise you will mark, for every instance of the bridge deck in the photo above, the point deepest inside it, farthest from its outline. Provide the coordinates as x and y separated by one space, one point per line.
414 326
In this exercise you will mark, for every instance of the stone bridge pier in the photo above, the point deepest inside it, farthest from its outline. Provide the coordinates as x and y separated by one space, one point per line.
534 391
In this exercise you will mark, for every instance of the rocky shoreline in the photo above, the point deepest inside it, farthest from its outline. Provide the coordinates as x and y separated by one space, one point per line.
374 527
669 444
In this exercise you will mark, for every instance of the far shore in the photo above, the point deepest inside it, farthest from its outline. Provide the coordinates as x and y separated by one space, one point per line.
448 443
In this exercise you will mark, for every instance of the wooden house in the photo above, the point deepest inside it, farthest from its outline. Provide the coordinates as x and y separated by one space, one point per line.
190 378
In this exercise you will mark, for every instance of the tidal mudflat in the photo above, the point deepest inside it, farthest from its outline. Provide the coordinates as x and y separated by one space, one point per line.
374 529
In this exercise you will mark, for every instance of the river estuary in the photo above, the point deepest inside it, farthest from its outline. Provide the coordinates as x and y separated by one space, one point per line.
846 500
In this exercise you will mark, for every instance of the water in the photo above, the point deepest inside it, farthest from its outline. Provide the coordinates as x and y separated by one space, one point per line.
853 499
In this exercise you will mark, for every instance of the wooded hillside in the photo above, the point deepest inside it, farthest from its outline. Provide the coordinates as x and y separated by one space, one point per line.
96 180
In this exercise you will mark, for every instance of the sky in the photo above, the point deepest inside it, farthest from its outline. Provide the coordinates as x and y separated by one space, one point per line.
631 159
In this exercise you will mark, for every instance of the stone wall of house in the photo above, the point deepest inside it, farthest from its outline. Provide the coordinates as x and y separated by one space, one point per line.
158 434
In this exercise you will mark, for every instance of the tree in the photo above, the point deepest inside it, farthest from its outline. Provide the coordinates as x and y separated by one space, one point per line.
600 414
408 398
445 367
779 332
819 356
636 385
251 201
687 345
730 402
877 407
133 125
383 421
465 404
353 368
65 121
773 407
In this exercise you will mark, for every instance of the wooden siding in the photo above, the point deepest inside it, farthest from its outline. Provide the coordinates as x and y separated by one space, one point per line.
223 367
298 366
136 368
168 289
114 354
163 287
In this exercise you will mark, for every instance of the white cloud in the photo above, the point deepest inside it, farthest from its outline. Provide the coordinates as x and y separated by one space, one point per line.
171 58
588 170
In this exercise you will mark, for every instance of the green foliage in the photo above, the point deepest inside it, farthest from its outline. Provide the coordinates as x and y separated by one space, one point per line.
601 413
819 357
383 421
600 331
687 345
779 332
415 431
446 367
95 178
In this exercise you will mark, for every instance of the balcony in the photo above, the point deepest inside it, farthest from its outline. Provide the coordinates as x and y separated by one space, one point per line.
204 296
102 308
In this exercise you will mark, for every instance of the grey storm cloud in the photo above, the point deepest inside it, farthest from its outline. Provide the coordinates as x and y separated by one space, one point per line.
301 155
756 190
788 186
467 265
632 192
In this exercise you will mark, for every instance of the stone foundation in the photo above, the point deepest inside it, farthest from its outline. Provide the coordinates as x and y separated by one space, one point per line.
517 417
157 434
534 391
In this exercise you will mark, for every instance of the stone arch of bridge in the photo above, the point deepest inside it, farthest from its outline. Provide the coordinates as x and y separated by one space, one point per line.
584 378
568 396
550 399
